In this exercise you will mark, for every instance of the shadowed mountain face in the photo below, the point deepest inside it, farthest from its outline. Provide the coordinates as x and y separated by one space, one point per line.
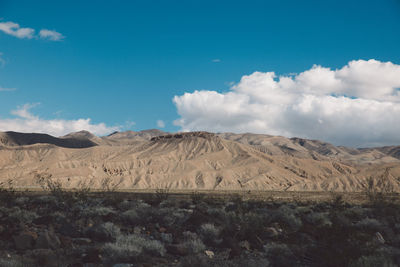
23 139
195 160
393 151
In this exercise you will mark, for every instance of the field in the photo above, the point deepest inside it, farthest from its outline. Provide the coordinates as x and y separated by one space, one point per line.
56 227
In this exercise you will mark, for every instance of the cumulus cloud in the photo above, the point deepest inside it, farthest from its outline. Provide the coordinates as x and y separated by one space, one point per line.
14 29
50 35
356 105
25 121
160 124
216 60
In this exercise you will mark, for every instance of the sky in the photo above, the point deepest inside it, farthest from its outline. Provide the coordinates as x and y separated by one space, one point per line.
327 70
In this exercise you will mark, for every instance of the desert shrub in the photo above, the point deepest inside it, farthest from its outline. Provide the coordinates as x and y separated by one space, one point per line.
25 216
356 213
104 232
161 194
200 260
171 216
153 247
98 211
378 189
210 233
340 220
338 201
112 229
397 227
369 224
192 243
82 191
166 238
21 201
141 206
125 205
189 235
230 206
196 260
304 209
280 254
319 219
218 213
373 261
167 203
288 217
63 195
44 200
194 246
125 248
13 263
128 247
59 217
250 261
243 226
185 204
141 212
132 204
252 228
6 210
131 216
47 183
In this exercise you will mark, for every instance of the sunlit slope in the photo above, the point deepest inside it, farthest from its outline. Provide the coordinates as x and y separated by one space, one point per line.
200 160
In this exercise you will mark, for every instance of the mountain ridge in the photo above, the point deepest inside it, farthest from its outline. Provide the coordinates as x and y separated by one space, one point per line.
196 160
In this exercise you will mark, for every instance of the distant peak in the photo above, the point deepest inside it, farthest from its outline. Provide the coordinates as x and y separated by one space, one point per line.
183 135
73 140
80 134
153 131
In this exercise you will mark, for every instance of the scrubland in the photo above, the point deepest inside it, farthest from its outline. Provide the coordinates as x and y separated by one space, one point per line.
81 228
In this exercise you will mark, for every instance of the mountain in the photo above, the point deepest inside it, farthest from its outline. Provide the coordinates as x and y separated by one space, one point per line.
80 135
145 134
22 139
130 137
314 149
195 160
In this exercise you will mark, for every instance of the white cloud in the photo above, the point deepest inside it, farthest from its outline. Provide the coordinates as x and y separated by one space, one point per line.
50 35
129 124
357 105
25 121
160 124
6 89
216 60
14 29
23 112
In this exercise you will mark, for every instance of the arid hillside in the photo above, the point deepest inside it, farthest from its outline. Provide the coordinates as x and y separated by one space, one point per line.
194 161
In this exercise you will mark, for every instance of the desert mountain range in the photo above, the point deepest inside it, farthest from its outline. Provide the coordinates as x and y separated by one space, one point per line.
194 161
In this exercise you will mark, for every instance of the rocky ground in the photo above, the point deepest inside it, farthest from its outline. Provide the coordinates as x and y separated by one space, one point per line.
81 229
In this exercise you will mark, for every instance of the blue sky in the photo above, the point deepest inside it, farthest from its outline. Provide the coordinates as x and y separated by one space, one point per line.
125 61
